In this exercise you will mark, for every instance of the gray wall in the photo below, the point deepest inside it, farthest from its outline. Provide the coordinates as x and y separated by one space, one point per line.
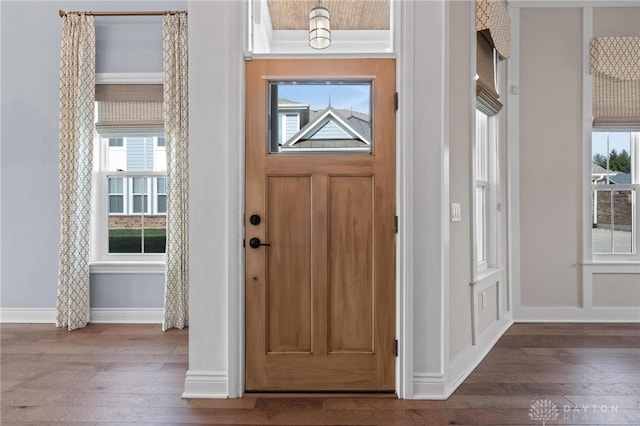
460 133
551 146
30 49
550 154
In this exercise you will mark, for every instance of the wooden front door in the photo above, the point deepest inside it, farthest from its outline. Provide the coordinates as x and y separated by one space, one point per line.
320 297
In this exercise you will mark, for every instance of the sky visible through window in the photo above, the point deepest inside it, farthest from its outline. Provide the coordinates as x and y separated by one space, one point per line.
617 140
356 97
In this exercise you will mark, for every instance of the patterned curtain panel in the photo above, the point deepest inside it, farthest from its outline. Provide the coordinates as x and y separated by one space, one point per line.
493 15
615 66
176 124
77 93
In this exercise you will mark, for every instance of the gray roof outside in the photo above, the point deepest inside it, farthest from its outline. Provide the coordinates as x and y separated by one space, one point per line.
284 101
615 177
358 121
354 120
620 178
597 169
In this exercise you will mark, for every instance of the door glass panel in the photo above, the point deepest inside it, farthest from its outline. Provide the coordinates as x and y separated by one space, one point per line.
307 117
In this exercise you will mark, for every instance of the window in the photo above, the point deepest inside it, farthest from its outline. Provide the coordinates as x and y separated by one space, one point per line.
132 197
486 197
130 179
116 142
482 186
161 194
116 195
615 183
308 117
289 126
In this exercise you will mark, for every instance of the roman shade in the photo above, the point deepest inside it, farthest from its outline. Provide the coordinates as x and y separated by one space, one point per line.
615 67
487 97
129 109
493 41
492 17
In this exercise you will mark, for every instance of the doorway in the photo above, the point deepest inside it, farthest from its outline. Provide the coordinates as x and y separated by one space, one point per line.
320 225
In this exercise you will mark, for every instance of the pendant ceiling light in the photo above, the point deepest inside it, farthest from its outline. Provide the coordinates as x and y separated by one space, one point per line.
319 27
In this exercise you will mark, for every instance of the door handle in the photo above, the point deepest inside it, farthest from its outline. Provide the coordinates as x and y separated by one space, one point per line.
255 243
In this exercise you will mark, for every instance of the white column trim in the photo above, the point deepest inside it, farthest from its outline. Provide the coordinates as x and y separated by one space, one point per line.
404 155
587 108
513 165
236 352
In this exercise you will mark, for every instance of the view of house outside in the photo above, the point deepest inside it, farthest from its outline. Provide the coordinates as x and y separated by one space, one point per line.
613 197
137 192
333 116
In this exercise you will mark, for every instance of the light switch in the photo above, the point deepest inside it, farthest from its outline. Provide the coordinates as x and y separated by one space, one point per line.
455 212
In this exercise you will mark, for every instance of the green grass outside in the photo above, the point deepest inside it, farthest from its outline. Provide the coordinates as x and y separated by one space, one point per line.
130 240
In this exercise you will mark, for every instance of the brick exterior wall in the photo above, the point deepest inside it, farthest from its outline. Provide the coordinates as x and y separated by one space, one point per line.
622 210
135 221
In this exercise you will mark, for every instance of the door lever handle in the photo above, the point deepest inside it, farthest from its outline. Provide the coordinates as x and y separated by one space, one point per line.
255 243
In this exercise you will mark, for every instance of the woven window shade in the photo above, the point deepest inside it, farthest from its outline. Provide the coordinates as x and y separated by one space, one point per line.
493 31
487 97
129 109
615 66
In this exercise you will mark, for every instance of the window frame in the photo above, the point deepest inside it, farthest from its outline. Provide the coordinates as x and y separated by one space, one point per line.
486 178
634 186
101 260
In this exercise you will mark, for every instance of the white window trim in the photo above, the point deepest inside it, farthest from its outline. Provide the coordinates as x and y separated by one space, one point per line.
101 260
492 209
120 266
615 258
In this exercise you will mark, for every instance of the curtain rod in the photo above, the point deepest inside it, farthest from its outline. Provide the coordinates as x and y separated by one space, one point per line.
63 13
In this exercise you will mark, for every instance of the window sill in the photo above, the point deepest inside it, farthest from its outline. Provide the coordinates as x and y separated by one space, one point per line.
611 262
127 267
489 274
612 267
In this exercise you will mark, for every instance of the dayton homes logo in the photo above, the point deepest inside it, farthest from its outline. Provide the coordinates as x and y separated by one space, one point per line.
544 410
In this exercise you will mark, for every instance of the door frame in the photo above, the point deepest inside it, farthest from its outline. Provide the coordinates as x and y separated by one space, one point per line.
403 305
409 273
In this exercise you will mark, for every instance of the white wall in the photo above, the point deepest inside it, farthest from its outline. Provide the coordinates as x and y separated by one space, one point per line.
216 326
473 328
216 100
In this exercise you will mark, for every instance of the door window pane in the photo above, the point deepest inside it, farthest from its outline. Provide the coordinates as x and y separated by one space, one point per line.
320 117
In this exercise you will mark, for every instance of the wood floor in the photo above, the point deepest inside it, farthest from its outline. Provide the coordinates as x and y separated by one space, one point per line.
134 375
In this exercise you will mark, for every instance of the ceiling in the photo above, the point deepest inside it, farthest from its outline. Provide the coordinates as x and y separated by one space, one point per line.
345 14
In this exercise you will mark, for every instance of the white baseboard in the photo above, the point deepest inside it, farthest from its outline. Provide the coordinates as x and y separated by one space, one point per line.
127 316
28 315
429 386
98 315
468 360
522 314
206 384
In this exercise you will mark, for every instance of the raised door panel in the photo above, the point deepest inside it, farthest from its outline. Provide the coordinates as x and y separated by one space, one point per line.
289 264
351 283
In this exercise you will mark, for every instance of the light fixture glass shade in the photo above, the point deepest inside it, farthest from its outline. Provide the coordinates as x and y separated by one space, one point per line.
319 28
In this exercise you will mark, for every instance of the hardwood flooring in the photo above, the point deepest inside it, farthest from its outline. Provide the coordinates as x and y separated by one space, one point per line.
134 375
